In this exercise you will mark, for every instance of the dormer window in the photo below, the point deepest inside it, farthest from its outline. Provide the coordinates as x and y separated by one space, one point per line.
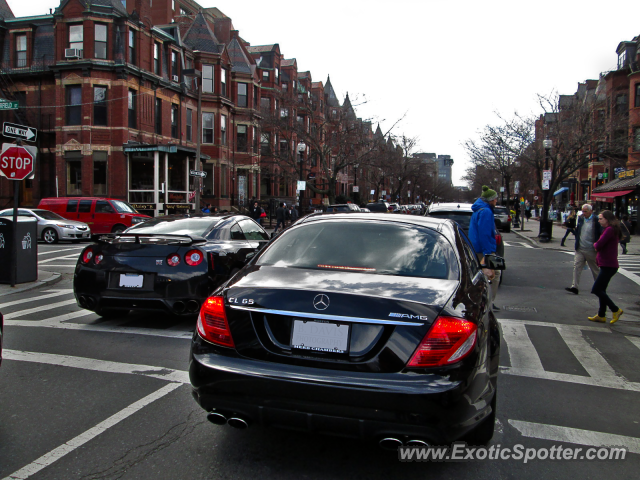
21 51
265 75
622 59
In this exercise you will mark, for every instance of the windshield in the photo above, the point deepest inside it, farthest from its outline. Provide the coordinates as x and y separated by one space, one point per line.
461 218
364 247
176 226
47 215
123 207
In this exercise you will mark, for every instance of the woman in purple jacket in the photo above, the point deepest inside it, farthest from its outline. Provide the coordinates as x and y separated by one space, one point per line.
607 259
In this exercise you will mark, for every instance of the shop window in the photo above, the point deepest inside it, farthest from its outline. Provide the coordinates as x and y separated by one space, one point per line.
74 173
189 125
100 33
177 174
74 105
241 138
141 171
21 51
100 106
207 78
99 174
207 128
76 37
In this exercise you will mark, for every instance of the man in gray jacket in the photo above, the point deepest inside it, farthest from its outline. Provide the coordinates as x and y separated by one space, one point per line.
587 233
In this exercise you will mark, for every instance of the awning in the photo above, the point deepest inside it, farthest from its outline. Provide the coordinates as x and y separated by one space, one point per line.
561 191
608 195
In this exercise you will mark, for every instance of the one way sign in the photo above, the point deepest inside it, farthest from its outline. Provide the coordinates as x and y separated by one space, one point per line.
22 132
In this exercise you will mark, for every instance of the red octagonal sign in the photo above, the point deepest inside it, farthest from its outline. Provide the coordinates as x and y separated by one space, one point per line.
16 163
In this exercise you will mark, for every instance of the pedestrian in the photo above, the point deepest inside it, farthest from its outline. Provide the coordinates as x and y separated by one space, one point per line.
625 225
256 211
206 208
607 258
280 216
570 223
587 233
294 214
527 209
482 233
215 209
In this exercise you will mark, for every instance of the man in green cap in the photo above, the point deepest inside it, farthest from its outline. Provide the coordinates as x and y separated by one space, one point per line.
482 233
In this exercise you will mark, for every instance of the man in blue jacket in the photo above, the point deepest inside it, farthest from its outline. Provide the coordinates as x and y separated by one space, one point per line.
588 232
482 233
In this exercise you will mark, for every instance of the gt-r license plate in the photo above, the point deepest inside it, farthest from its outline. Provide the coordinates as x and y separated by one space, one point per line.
131 280
320 336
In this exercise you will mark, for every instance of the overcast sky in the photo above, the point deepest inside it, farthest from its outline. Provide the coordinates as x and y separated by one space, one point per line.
446 66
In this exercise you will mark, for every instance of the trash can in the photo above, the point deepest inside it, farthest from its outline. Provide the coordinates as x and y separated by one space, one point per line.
27 252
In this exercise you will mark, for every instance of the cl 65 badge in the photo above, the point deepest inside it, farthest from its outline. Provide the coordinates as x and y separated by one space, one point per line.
243 301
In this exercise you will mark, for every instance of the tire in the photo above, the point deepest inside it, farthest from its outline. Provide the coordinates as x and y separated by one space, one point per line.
50 236
111 312
483 433
118 229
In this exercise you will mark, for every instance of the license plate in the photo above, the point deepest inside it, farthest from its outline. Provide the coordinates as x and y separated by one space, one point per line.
131 280
320 336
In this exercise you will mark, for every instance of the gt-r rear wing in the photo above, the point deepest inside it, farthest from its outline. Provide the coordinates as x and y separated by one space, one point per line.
152 238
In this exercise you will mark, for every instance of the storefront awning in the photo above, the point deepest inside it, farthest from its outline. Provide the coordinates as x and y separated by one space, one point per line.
608 195
561 191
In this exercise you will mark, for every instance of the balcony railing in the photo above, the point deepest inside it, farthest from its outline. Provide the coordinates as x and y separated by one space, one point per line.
37 65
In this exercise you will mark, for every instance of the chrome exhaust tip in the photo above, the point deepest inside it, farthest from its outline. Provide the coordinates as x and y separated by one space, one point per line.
390 443
82 300
91 303
217 418
239 423
417 443
179 306
193 305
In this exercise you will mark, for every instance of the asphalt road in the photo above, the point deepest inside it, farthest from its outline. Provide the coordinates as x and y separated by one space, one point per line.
82 397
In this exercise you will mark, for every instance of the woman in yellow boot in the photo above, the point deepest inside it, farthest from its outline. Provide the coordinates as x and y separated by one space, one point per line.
607 259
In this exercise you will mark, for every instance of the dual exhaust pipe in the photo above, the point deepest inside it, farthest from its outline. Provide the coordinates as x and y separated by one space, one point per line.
191 306
392 443
86 301
219 418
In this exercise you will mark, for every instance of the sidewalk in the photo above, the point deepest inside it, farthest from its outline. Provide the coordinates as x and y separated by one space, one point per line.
44 278
532 228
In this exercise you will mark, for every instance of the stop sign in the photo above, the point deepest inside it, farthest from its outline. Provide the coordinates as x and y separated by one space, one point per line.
16 163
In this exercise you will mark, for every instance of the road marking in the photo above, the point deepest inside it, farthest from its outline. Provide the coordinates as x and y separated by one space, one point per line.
630 275
93 364
513 244
575 435
22 313
63 257
64 266
522 353
47 252
68 447
57 293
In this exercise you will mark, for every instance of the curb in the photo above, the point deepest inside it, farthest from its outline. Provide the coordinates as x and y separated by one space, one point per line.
55 278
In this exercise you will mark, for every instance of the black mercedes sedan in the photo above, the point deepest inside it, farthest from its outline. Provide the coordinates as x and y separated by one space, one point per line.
368 326
169 263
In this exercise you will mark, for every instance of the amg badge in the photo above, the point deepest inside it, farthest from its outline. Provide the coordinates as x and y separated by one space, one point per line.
406 315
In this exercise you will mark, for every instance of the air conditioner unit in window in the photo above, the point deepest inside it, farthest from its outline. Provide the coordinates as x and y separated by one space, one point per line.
72 53
176 79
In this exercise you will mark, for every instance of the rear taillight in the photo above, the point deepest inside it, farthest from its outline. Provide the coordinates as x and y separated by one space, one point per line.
193 258
212 323
211 264
448 341
98 258
498 239
509 219
87 255
173 260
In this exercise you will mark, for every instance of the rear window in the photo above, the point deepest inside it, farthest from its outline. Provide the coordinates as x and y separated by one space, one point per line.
180 226
461 218
364 247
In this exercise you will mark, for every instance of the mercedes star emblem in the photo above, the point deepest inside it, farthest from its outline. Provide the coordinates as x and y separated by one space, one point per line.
321 302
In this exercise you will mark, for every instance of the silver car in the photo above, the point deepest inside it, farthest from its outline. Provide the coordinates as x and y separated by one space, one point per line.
52 227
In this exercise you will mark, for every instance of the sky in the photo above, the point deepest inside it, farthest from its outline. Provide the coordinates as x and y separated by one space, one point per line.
437 70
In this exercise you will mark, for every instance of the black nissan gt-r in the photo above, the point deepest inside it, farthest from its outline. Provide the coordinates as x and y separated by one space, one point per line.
362 325
169 263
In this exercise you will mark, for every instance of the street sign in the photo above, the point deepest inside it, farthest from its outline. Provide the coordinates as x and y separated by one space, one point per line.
198 173
384 193
8 104
516 187
302 186
356 189
22 132
546 175
501 189
545 184
16 162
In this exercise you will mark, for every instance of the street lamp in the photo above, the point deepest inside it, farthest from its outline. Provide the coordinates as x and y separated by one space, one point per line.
545 225
301 149
197 74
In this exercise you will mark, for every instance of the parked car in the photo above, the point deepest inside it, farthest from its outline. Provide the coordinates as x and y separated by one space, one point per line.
461 213
170 263
502 218
103 215
346 207
328 330
379 207
52 227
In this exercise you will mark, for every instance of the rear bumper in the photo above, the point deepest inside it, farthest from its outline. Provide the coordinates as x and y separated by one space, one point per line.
343 403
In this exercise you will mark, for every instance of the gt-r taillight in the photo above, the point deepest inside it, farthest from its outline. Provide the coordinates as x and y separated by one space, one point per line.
498 239
98 258
212 323
448 341
87 255
193 258
173 260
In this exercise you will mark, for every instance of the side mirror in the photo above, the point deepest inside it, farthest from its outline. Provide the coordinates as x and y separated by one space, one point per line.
494 262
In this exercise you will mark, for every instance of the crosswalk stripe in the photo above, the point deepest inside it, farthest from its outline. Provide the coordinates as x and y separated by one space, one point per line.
57 293
64 257
575 435
22 313
47 252
634 340
522 353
